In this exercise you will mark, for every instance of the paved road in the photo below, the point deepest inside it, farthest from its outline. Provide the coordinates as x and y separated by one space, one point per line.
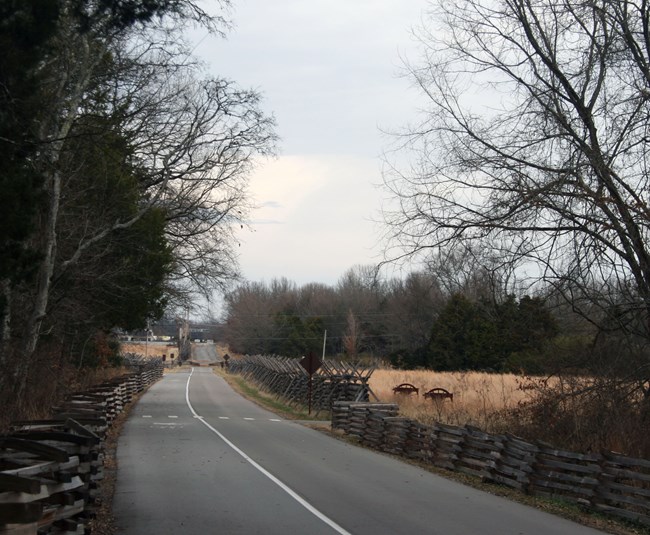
205 353
197 458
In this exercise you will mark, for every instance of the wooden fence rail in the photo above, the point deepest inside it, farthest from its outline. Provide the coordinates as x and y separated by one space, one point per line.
606 482
50 469
285 377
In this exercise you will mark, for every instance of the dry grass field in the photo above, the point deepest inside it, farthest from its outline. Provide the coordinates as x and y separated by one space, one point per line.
152 349
479 398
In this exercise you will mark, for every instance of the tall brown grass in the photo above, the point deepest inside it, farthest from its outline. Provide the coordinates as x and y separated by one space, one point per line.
480 399
577 413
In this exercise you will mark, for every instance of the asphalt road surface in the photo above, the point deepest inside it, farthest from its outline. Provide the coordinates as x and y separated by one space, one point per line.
197 458
205 353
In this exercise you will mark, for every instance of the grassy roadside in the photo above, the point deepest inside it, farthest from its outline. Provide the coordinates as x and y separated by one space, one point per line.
553 506
269 401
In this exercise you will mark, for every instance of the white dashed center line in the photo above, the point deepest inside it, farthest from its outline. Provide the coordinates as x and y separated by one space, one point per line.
261 469
220 418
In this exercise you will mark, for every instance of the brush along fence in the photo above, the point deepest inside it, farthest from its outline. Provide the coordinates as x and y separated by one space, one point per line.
50 469
285 377
606 482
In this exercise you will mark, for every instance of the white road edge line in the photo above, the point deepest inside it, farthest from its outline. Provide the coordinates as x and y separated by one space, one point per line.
263 470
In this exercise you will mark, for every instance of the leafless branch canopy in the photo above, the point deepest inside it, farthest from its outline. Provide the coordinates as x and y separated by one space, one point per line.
534 142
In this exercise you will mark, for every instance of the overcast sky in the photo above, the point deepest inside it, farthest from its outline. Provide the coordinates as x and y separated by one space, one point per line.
329 72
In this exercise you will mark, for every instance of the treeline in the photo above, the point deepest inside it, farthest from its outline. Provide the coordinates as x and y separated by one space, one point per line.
360 315
421 320
123 173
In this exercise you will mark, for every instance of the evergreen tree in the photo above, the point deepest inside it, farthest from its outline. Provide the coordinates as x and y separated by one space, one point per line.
490 336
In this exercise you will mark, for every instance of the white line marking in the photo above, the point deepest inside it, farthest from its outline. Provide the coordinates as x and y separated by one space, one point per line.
146 416
263 470
274 420
161 423
250 419
222 417
172 416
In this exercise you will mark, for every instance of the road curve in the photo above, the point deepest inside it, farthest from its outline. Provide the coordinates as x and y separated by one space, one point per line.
197 458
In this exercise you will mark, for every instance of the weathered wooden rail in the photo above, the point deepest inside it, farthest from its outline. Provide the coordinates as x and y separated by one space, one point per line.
50 469
606 481
285 377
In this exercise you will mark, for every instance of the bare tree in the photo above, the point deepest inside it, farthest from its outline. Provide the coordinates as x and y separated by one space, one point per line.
249 313
412 304
190 145
534 145
352 336
475 273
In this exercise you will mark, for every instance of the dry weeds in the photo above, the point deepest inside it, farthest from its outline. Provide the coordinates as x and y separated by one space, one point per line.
479 398
50 383
152 349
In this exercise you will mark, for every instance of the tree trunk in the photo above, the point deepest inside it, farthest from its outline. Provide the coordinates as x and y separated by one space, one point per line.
5 333
5 325
79 68
44 281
